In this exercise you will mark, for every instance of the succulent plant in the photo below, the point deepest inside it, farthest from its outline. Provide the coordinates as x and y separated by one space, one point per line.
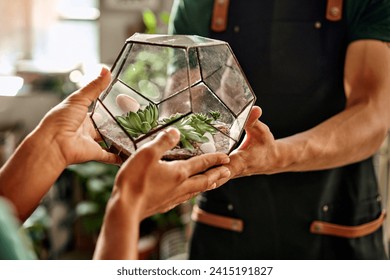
192 128
215 115
201 123
140 122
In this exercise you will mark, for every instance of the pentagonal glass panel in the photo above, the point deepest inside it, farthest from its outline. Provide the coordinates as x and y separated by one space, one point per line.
176 104
194 70
183 74
206 102
212 59
121 60
238 125
223 143
146 71
230 84
120 99
114 136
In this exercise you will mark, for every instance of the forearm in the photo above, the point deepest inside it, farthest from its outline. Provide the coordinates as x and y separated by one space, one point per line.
118 239
351 136
357 132
30 172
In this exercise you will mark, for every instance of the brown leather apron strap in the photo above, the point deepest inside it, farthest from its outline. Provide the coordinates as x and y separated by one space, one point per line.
318 227
334 10
220 15
201 216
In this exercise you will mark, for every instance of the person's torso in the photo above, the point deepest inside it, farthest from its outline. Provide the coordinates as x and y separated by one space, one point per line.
293 58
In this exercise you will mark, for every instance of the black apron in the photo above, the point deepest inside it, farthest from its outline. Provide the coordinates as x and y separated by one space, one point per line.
293 58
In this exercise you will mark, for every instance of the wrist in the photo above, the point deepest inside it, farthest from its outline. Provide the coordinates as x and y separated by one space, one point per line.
42 141
118 238
291 154
125 205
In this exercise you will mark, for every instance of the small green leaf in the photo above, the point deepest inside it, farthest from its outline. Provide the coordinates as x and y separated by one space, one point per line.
150 21
215 115
164 17
145 127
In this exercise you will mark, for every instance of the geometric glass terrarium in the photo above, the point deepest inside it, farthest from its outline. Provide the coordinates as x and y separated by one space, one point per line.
189 82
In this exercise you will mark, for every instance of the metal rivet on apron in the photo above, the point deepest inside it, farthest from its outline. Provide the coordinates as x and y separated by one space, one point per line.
325 208
317 25
219 21
235 225
317 228
378 198
334 11
236 29
230 207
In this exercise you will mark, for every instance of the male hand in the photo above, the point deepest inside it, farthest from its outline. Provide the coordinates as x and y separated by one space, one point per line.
258 153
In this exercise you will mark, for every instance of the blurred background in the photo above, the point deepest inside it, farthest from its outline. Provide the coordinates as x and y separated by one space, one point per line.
48 49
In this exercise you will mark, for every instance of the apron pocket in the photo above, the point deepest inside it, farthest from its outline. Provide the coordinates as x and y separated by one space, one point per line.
325 228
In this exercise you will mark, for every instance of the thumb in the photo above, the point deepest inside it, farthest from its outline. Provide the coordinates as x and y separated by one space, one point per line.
253 117
251 126
92 90
164 141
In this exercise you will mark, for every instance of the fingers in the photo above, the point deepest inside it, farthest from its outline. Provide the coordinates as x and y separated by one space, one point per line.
94 88
164 141
253 128
216 175
206 181
197 184
201 163
253 116
109 158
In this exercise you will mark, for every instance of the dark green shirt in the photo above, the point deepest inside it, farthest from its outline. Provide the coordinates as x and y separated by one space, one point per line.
366 19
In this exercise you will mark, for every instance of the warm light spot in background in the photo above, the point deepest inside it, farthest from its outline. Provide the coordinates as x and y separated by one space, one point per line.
10 85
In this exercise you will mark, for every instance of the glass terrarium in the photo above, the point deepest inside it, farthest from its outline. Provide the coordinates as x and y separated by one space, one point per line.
192 83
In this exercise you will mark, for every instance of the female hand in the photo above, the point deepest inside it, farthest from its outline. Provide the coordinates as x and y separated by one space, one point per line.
70 129
158 185
146 185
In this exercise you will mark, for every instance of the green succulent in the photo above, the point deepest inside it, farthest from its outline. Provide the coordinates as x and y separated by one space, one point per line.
192 128
140 122
201 123
215 115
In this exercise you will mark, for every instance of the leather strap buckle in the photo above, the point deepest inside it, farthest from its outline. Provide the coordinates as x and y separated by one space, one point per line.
201 216
220 15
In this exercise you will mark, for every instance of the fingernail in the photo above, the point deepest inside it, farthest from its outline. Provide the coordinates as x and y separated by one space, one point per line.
226 160
103 71
176 135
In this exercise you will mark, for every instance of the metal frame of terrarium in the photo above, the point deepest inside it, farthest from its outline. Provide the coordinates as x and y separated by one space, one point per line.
188 44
